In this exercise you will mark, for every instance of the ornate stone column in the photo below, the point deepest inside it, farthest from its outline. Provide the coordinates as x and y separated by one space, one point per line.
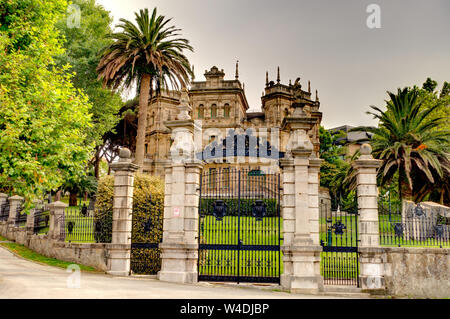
313 201
179 249
372 269
300 175
56 219
288 215
120 248
14 204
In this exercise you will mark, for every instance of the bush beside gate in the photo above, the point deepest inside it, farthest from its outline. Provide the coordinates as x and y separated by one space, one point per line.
148 210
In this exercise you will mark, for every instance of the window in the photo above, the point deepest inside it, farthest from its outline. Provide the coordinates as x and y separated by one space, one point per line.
212 178
226 111
146 148
201 111
226 178
213 111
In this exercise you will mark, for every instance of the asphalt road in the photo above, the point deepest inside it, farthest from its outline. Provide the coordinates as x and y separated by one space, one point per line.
20 278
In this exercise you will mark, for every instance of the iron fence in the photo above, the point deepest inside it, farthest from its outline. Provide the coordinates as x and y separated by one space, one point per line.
83 228
41 221
339 239
412 226
21 216
4 211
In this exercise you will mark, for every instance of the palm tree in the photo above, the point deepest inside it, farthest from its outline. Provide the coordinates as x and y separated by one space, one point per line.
150 55
407 142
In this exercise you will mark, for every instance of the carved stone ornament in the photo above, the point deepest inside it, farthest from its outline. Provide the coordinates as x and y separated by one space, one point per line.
184 106
298 140
183 144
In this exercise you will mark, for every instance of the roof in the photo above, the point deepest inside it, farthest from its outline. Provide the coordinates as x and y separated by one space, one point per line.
351 137
253 115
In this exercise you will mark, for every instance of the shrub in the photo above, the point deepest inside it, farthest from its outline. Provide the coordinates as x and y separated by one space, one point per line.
148 209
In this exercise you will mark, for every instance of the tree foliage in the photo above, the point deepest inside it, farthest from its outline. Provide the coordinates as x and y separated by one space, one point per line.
84 45
410 142
148 53
44 119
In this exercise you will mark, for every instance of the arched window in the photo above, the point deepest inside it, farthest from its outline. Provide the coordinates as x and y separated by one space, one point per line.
213 111
226 110
201 111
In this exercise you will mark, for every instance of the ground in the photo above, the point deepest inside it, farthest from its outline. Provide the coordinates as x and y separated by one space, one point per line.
20 278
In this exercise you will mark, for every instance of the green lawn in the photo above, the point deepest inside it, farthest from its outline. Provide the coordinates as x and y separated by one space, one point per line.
83 227
26 253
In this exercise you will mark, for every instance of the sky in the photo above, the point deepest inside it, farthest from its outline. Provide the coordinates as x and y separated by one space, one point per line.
325 41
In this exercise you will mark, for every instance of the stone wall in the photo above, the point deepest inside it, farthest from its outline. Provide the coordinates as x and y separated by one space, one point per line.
417 272
93 255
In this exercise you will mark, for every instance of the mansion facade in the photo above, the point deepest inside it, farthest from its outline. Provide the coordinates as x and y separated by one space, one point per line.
220 109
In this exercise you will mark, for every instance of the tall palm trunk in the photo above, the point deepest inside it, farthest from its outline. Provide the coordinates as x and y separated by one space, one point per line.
142 120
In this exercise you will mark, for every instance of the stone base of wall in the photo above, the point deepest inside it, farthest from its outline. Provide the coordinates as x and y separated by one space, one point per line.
417 272
93 255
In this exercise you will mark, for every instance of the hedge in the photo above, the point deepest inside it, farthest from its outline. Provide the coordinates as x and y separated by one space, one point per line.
148 209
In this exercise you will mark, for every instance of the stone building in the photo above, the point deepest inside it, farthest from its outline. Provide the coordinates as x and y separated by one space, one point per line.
221 110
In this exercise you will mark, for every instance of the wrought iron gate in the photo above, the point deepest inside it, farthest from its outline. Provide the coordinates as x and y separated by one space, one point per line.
239 227
339 238
146 237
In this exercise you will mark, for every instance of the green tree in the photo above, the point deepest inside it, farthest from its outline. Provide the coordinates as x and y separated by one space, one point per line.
149 54
429 85
43 118
83 48
330 152
408 143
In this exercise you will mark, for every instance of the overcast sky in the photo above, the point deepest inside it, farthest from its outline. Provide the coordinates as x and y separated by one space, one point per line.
325 41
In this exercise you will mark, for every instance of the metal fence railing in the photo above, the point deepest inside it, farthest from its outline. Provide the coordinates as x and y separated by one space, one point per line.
80 226
412 227
21 216
4 211
41 221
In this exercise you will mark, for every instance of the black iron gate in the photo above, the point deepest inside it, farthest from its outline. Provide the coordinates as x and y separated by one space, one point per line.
146 237
339 238
240 226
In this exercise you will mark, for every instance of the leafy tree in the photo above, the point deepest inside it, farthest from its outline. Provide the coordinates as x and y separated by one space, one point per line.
408 142
445 92
330 152
150 54
429 85
83 47
43 118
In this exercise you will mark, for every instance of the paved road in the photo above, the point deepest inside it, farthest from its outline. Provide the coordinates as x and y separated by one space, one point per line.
21 278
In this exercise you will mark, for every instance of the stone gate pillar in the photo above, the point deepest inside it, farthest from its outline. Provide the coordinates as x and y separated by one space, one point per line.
14 204
120 248
56 211
372 269
301 249
179 248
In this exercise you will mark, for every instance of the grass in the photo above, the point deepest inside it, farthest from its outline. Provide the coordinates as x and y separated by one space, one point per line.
28 254
3 238
83 227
